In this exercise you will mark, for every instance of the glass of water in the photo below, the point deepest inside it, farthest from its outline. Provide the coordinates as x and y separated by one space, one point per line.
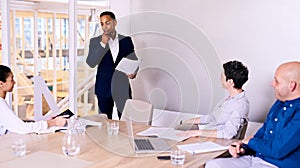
19 147
70 144
177 156
113 128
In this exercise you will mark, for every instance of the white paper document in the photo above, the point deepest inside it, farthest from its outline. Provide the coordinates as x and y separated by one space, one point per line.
128 66
202 147
165 133
85 122
45 160
90 122
52 129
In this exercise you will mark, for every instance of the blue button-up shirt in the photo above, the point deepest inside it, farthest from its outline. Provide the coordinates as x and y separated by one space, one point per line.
278 141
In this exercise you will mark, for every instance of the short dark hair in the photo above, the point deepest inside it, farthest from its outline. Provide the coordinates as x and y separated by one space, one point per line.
236 71
4 72
112 15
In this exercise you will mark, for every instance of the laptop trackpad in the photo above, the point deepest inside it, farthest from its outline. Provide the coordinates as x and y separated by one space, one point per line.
160 144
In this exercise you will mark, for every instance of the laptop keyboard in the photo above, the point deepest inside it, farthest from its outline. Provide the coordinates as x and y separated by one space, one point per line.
143 144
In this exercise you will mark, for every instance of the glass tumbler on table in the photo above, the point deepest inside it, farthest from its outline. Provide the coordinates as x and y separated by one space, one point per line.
113 128
19 147
70 144
177 156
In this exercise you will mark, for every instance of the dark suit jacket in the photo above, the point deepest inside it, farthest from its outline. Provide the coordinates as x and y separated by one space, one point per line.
108 81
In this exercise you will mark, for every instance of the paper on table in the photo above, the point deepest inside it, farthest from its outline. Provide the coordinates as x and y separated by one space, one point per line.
90 122
51 130
46 160
202 147
86 122
128 66
165 133
152 131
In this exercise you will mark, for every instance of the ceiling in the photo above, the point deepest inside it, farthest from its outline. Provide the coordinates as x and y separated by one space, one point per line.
57 5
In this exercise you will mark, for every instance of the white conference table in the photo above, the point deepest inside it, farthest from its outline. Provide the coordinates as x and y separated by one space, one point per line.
98 149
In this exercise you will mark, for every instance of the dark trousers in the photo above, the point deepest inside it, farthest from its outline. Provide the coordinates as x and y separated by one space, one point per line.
106 105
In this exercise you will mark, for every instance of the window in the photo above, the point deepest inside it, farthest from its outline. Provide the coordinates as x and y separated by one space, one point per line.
44 50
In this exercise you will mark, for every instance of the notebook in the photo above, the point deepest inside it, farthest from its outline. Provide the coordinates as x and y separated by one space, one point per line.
146 145
164 133
202 147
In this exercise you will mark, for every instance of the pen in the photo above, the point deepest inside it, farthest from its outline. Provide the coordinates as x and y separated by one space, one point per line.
185 139
58 130
242 146
153 136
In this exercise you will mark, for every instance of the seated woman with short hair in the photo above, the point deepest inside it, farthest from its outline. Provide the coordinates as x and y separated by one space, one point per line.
229 115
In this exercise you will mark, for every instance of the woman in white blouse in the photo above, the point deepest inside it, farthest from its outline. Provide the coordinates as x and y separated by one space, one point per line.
9 122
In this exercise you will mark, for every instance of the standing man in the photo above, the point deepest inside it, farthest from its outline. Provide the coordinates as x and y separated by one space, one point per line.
106 51
277 142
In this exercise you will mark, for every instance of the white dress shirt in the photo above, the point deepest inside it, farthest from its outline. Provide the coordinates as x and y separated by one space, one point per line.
113 46
9 122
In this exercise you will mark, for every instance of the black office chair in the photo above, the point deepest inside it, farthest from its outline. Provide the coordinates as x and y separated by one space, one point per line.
242 130
240 135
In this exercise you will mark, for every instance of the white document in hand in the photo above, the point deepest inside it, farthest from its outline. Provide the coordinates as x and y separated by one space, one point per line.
165 133
128 66
202 147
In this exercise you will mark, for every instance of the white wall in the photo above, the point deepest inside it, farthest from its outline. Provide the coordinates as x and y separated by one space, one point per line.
184 43
121 9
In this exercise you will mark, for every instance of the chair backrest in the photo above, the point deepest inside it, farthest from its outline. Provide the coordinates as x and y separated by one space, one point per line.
139 111
242 130
253 127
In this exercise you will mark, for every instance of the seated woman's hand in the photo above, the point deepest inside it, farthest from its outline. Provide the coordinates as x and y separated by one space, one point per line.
58 121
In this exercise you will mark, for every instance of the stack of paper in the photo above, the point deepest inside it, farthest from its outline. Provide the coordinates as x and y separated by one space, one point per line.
83 121
202 147
90 122
128 66
52 129
165 133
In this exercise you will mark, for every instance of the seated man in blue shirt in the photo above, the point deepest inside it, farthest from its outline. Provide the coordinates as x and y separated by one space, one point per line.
277 142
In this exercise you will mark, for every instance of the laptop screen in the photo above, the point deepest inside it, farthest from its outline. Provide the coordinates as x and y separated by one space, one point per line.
130 132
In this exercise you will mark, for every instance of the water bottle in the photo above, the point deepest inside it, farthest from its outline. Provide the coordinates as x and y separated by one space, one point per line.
76 125
71 141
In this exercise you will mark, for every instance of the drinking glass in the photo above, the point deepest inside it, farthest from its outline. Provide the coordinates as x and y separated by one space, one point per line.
113 128
19 147
177 156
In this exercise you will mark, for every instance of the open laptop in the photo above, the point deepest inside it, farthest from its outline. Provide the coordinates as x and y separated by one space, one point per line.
146 144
